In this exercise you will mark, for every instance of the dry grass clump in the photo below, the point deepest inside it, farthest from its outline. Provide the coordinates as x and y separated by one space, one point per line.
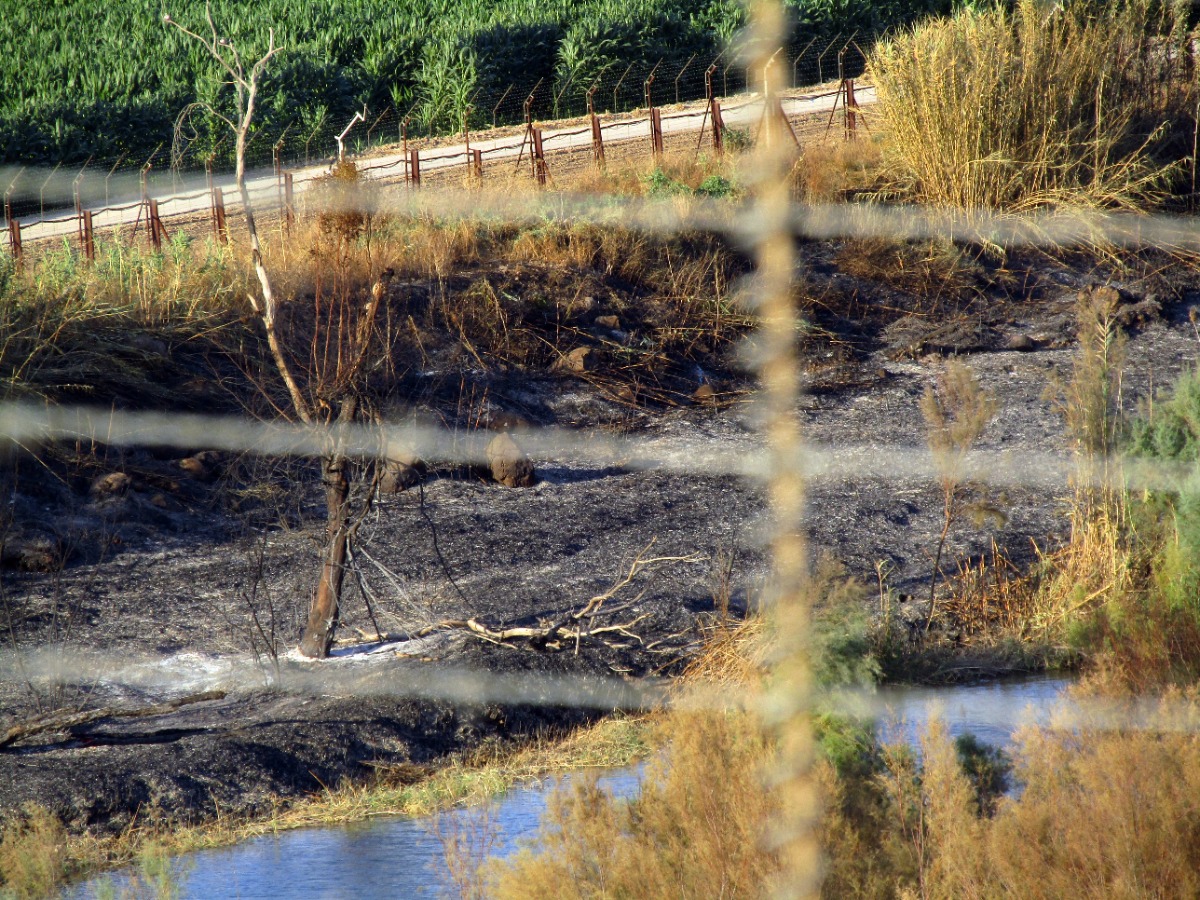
1077 829
33 856
695 831
894 824
1046 105
101 333
831 171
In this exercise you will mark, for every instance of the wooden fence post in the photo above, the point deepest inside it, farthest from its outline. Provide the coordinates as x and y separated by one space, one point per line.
477 164
414 166
851 109
539 157
656 135
156 226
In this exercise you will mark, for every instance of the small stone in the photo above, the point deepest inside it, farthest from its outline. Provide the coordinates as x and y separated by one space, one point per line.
400 473
581 359
1020 342
160 500
609 322
194 467
114 484
147 344
508 463
704 395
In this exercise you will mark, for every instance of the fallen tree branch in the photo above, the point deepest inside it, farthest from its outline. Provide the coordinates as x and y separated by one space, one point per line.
61 722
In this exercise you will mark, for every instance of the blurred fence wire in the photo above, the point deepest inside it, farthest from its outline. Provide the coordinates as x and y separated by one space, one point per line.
778 457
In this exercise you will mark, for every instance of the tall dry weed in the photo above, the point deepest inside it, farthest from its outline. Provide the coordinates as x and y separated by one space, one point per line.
1040 105
33 856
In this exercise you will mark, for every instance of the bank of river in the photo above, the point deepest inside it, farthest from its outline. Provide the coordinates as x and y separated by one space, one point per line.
403 857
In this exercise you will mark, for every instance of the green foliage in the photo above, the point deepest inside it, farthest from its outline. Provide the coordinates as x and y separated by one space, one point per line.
82 80
987 769
659 184
445 85
715 186
1147 633
737 140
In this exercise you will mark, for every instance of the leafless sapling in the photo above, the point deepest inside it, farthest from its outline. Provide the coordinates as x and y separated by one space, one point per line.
325 358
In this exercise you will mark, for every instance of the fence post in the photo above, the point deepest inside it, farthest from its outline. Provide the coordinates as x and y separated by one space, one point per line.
539 158
718 125
414 166
467 137
218 205
597 131
851 109
157 231
87 237
597 142
477 163
404 147
289 208
14 239
656 147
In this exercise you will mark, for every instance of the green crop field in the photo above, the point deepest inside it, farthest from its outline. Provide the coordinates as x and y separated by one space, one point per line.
82 79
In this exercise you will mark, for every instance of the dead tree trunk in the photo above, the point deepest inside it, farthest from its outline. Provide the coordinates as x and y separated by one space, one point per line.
326 605
342 377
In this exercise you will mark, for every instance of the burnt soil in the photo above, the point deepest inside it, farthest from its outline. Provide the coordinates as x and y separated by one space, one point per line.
171 568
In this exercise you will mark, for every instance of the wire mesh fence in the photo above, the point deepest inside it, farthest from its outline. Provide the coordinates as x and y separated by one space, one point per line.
178 163
621 108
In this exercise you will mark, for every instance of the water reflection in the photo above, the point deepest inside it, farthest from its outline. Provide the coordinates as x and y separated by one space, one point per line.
992 711
387 858
397 857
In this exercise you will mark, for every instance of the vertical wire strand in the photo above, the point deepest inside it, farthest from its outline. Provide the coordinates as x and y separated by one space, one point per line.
787 701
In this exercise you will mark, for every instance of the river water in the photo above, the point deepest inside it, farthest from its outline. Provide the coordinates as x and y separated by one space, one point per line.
399 857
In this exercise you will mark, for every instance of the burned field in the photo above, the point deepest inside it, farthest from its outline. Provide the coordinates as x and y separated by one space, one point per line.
175 583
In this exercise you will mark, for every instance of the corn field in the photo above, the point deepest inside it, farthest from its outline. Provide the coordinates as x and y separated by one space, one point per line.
83 81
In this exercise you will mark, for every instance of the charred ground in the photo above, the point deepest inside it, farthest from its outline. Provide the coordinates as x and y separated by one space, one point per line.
194 558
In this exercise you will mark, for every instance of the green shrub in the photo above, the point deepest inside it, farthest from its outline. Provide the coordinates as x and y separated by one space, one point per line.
715 186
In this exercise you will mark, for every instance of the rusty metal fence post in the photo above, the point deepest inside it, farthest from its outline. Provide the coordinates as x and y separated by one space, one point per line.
289 202
87 240
597 131
414 167
656 137
218 211
539 157
718 126
851 109
156 228
656 134
477 164
14 239
597 142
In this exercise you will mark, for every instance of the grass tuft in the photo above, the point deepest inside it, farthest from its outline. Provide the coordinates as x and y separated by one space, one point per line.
1039 106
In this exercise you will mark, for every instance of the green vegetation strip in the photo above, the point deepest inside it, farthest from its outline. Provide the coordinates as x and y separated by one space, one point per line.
80 81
